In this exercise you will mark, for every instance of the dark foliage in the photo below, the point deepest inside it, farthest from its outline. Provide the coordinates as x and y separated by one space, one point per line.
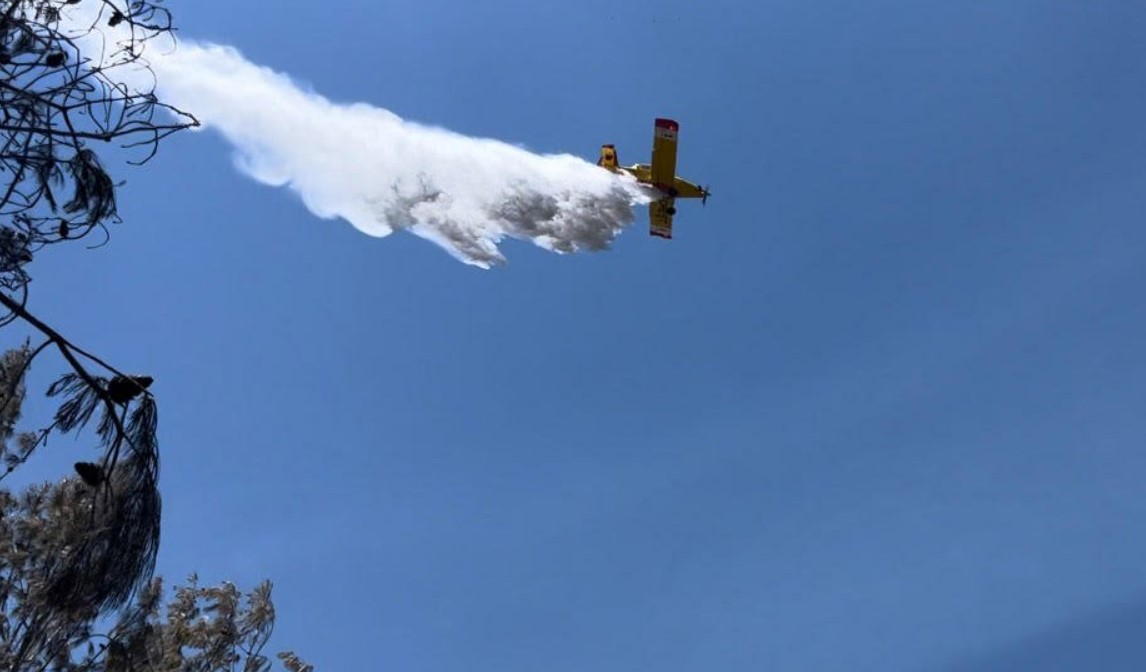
199 628
83 552
55 100
61 99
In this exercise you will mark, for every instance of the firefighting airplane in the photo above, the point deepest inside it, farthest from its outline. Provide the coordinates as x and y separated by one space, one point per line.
661 175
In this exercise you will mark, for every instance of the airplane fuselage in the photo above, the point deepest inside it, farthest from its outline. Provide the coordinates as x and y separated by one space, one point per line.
680 188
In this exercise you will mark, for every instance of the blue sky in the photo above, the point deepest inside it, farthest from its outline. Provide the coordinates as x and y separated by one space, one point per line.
878 406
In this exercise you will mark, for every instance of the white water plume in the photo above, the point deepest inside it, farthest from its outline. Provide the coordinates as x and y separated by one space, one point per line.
382 173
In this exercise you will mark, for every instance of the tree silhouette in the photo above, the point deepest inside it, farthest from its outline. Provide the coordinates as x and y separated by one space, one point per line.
63 68
200 628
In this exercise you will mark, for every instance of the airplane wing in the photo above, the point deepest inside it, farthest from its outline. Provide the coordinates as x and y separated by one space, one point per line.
663 170
660 218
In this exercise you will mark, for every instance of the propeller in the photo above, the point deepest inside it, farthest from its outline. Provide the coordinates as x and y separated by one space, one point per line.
704 196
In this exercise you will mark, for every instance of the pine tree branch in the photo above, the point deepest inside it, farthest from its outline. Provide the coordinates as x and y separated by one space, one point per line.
69 352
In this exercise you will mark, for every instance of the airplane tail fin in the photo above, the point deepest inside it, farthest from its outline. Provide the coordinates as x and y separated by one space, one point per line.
608 158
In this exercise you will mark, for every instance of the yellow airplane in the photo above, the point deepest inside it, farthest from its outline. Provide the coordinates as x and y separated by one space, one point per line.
661 174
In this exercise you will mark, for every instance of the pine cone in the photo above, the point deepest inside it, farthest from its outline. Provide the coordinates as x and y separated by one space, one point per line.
91 473
123 389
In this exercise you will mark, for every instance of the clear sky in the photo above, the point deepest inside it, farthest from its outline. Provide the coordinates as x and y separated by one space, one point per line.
877 406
